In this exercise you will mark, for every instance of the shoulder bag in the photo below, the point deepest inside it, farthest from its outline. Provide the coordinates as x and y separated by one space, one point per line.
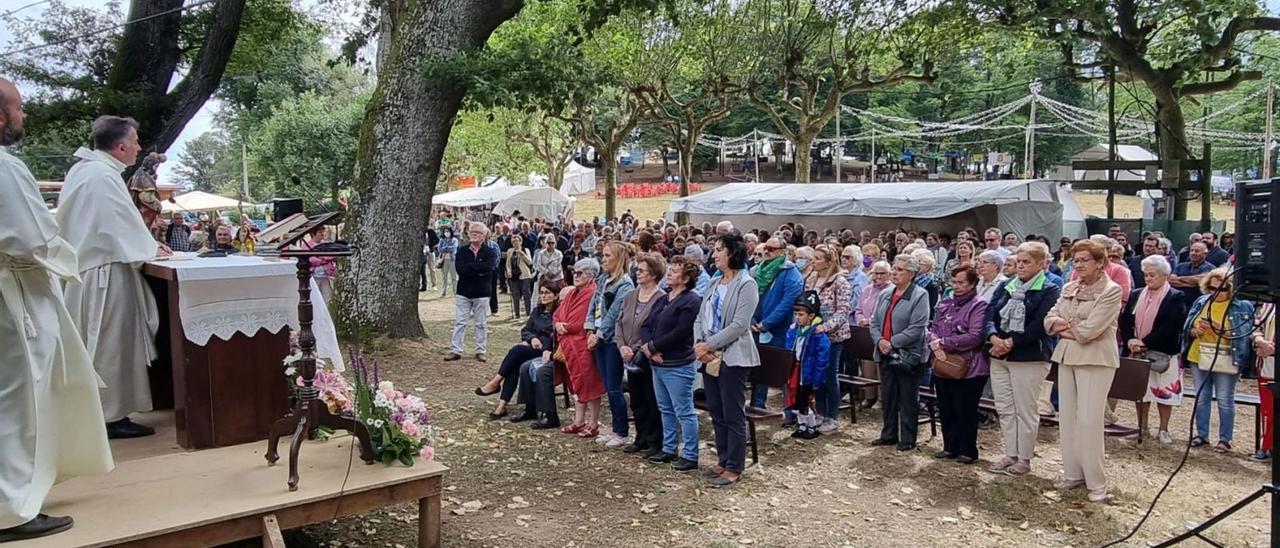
950 366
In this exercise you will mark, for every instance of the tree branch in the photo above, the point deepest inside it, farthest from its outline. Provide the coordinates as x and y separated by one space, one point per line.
1236 27
202 80
1231 81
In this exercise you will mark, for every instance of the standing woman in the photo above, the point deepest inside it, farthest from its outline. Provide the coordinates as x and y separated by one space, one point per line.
519 272
546 260
612 286
1084 319
964 256
668 335
571 341
1264 346
725 346
636 308
1216 349
990 266
866 308
898 332
1157 304
1019 349
834 297
447 249
957 330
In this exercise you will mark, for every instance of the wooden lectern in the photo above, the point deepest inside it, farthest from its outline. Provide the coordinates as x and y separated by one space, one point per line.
307 412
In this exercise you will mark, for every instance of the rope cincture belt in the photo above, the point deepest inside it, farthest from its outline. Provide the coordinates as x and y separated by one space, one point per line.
14 264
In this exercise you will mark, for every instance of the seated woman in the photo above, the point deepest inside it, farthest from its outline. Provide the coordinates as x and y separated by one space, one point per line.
536 336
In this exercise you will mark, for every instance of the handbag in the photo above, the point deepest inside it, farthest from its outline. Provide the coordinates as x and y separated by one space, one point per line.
1216 359
1158 361
950 366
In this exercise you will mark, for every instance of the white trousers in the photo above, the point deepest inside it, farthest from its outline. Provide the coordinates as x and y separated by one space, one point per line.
1016 389
1082 400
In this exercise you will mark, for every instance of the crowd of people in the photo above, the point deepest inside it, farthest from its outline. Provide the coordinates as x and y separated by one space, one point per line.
675 313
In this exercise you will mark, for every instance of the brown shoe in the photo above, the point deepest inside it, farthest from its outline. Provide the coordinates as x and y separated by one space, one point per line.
480 358
453 357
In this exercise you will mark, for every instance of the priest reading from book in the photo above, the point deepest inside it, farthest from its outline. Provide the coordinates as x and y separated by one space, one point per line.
51 425
111 304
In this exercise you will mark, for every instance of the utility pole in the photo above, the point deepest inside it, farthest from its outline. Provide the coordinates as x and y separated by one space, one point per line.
873 155
1111 137
244 171
1266 147
1030 163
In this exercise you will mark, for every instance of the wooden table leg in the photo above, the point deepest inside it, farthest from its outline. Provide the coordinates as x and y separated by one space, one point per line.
429 522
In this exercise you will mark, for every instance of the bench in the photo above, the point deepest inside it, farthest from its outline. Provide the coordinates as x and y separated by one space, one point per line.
1249 400
855 384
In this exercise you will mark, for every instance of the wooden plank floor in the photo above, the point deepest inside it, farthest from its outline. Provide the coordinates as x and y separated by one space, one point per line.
174 490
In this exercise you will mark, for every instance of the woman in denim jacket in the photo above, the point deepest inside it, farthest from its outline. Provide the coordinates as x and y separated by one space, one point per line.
1212 316
612 287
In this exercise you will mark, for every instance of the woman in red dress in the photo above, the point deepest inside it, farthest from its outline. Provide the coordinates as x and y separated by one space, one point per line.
584 380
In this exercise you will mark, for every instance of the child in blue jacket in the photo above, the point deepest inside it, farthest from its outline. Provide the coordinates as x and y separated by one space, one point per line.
811 348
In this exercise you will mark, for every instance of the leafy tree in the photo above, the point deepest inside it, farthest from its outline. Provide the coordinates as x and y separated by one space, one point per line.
312 137
549 139
479 145
207 163
1169 47
160 69
813 54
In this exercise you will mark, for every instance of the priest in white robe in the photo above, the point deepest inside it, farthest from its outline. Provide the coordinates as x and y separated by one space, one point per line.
51 424
111 303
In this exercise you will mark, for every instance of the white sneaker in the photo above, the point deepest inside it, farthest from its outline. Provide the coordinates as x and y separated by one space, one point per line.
1165 438
617 441
828 426
604 437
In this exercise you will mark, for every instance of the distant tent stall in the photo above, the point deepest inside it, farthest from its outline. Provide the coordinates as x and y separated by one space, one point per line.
545 202
197 201
1024 207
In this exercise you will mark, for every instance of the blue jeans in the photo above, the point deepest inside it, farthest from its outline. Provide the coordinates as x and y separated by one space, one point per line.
1223 387
674 388
827 397
609 364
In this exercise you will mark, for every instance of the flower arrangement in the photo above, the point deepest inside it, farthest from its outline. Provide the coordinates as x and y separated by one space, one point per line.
399 425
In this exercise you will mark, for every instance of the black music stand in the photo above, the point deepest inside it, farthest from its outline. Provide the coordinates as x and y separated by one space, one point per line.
306 416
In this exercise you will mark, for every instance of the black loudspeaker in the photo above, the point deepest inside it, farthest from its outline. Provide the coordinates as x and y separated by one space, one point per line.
1258 238
284 207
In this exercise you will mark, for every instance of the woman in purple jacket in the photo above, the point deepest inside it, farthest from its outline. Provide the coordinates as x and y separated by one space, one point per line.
957 329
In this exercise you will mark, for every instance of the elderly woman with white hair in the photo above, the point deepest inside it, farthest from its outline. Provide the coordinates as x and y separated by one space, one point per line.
925 278
1156 304
898 331
990 265
694 253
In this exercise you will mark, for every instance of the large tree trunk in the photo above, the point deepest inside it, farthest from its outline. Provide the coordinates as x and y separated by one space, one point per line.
804 147
402 140
610 185
1171 128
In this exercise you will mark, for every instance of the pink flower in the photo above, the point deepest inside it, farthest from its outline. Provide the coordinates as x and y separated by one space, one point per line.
427 453
410 429
390 394
403 403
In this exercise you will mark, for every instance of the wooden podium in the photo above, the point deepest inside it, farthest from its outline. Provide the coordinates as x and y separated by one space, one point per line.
308 413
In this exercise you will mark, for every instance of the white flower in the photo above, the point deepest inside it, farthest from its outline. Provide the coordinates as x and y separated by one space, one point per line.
292 358
386 385
369 422
378 423
290 371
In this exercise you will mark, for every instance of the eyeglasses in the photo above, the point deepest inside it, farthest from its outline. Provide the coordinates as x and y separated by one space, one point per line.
1214 288
993 239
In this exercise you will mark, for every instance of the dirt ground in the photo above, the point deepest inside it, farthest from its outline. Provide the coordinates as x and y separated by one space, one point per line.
512 486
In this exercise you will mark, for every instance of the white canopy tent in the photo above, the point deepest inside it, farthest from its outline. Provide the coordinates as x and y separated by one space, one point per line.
1022 206
544 202
578 179
1132 153
197 201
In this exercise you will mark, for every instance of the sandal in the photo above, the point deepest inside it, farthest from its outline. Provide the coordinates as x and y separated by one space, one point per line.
496 416
723 481
1198 442
589 432
480 391
713 471
1222 447
572 428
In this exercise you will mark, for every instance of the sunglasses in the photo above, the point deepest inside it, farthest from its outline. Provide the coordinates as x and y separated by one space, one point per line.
993 239
1214 288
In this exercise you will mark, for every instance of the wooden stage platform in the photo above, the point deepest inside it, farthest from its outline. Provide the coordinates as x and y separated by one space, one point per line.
160 495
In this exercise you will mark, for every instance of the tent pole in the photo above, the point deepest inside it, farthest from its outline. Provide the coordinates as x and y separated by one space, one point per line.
839 152
873 155
755 149
1111 136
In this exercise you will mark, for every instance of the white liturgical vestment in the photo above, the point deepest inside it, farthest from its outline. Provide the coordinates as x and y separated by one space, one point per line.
111 304
51 423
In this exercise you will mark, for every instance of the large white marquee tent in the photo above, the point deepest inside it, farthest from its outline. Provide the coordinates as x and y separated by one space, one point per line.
544 202
1022 206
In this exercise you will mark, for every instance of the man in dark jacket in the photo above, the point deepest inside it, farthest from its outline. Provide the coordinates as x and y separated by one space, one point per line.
475 264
